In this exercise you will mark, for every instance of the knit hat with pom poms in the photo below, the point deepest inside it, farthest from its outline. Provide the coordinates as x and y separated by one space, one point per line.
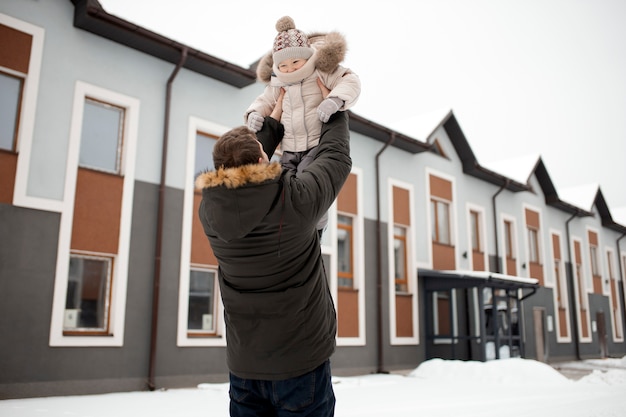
290 42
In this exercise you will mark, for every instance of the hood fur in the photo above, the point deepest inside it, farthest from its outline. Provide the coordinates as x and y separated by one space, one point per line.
331 51
239 176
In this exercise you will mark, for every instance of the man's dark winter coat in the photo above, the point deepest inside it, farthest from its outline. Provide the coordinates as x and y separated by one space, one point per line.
261 223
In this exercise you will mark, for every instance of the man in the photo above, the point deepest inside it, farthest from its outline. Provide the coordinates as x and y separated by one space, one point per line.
261 223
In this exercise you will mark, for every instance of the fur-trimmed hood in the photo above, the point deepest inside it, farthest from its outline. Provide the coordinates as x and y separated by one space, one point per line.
239 176
330 50
236 200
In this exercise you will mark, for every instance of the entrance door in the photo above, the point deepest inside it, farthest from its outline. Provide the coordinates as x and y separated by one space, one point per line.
541 353
604 348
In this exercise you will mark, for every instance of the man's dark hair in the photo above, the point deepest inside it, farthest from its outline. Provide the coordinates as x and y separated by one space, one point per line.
236 147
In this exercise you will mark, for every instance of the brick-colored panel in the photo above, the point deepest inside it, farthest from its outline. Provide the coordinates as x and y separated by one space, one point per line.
556 247
478 261
404 315
532 218
15 49
97 211
440 188
8 167
562 322
347 198
443 257
201 251
401 206
347 312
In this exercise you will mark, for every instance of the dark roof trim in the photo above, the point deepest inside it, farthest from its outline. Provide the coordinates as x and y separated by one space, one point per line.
605 214
90 16
470 163
381 133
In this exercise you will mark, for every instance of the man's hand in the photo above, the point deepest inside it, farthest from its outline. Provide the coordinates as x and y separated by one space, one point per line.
277 113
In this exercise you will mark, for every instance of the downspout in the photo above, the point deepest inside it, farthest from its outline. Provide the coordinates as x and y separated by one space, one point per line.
572 297
621 277
495 225
379 280
156 283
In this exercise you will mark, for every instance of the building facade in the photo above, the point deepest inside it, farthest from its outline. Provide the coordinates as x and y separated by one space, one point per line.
107 282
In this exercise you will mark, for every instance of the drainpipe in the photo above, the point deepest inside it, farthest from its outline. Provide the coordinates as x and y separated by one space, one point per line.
495 225
156 283
379 281
572 297
621 276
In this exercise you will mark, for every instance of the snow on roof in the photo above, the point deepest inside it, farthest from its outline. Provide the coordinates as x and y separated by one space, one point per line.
420 126
486 275
619 215
582 196
518 168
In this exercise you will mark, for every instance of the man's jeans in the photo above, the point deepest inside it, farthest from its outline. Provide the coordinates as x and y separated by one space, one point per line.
308 395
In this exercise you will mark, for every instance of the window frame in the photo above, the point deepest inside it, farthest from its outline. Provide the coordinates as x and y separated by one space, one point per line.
534 252
435 203
106 329
215 294
401 284
195 126
20 98
119 146
349 229
120 266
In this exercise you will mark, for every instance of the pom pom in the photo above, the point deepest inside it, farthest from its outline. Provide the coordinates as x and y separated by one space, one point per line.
285 23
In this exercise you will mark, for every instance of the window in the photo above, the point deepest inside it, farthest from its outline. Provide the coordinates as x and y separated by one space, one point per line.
10 100
400 258
88 295
204 153
345 270
508 239
533 244
594 260
440 221
475 225
101 137
202 306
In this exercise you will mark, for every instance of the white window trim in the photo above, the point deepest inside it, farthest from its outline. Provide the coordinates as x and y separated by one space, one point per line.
515 249
548 282
195 125
609 252
411 262
562 287
599 261
453 214
27 116
584 270
120 268
483 234
358 241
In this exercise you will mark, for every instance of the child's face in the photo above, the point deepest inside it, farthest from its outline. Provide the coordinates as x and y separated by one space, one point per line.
291 64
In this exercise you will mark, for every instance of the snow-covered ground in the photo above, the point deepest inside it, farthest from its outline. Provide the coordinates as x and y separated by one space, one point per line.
507 388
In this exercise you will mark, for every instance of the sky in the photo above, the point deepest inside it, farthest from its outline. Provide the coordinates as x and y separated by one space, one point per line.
523 77
436 388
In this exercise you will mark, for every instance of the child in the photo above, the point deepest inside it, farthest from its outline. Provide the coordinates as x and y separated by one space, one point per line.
295 64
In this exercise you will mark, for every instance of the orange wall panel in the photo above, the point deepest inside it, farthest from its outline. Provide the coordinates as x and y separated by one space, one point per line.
404 315
97 211
8 167
347 313
201 252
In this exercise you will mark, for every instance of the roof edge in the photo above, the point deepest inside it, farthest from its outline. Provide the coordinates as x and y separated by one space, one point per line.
89 15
